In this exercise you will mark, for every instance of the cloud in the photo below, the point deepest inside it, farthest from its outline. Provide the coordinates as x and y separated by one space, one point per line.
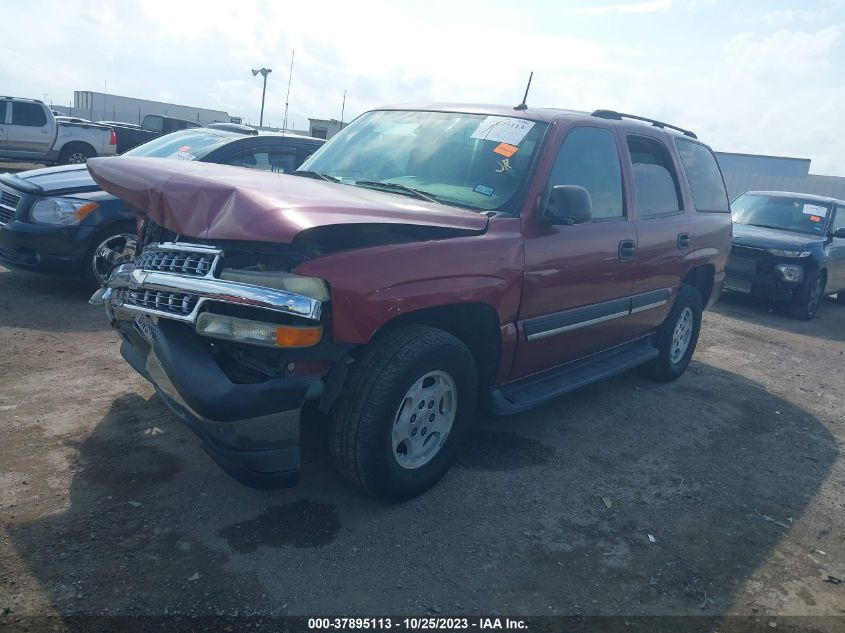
650 6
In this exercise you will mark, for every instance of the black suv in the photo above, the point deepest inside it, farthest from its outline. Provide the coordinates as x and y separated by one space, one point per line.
788 248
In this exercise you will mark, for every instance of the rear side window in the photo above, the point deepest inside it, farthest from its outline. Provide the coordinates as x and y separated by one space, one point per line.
704 177
588 158
657 191
28 114
278 161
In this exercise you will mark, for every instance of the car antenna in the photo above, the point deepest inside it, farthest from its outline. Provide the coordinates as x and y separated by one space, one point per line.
523 105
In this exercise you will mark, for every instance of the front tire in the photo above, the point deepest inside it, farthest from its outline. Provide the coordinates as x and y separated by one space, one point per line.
677 337
406 408
109 248
808 298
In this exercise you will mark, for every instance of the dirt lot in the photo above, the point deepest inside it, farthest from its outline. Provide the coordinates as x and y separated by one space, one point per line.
108 505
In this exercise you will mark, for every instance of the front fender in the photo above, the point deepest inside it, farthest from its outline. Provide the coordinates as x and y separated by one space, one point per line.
372 286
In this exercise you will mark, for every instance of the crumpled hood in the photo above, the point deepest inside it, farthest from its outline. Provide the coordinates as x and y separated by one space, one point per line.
762 237
219 202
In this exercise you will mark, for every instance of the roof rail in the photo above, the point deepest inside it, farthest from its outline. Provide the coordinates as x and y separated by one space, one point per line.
611 114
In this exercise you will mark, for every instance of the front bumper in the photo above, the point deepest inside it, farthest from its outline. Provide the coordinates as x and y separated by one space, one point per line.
247 415
250 430
756 275
44 248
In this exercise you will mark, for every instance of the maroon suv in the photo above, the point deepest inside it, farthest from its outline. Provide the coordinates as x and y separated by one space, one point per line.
426 261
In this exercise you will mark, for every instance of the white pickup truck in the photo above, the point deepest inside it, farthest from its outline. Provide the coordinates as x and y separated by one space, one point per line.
30 133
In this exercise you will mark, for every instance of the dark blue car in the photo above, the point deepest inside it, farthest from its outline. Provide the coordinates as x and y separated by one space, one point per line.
57 220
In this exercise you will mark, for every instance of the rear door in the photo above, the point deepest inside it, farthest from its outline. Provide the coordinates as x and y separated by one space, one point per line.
578 278
29 132
664 229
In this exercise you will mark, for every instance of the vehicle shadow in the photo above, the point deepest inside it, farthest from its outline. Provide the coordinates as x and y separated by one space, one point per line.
829 323
45 303
545 513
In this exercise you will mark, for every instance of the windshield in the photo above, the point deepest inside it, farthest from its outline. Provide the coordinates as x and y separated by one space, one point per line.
781 212
186 145
469 160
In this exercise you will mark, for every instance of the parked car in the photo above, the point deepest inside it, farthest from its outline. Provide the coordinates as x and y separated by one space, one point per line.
57 220
424 260
788 248
130 135
30 132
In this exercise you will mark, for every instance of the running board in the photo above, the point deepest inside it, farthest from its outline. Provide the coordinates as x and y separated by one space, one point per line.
535 390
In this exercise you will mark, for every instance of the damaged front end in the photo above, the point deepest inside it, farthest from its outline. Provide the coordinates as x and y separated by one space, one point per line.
233 342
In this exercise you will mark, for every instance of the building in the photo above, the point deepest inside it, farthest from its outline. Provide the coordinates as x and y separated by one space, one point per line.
758 172
324 128
99 106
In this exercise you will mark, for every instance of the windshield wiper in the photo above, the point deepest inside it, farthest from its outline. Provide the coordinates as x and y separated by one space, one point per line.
377 184
314 174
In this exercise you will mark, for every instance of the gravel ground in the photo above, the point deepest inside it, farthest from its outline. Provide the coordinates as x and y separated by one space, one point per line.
721 493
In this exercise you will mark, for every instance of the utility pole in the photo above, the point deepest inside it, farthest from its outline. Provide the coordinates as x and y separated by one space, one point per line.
342 108
287 96
264 72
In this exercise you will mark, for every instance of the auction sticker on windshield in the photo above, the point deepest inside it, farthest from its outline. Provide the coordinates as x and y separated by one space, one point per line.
815 209
180 155
502 129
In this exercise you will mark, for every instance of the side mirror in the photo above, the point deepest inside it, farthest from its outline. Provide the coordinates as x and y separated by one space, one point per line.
840 233
567 204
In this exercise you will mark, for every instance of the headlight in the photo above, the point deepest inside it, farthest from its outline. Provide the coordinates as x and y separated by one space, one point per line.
781 253
66 211
305 286
792 273
257 332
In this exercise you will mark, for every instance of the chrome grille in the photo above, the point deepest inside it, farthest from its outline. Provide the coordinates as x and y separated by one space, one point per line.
8 205
186 263
175 303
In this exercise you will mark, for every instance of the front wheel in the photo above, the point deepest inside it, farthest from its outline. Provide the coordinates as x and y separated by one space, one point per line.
805 306
108 250
405 410
677 337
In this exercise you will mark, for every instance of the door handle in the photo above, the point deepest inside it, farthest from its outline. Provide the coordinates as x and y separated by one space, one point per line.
683 240
626 250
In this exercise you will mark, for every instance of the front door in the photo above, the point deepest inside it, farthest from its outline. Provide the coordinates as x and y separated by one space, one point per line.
578 278
836 251
29 130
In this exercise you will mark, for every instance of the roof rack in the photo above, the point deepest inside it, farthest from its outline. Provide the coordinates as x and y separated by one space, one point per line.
611 114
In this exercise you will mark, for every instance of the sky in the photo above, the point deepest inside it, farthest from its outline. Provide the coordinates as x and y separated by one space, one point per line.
761 76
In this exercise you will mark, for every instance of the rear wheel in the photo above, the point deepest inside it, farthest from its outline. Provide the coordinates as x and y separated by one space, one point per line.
108 249
406 408
76 154
677 337
805 306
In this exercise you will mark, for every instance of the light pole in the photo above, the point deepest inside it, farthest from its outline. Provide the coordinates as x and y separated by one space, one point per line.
264 72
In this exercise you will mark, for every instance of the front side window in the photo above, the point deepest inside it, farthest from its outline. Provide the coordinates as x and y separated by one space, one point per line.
588 158
839 219
28 114
474 161
2 111
654 178
704 177
786 213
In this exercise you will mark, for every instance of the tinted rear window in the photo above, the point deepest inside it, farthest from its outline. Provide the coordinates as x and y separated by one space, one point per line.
704 177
